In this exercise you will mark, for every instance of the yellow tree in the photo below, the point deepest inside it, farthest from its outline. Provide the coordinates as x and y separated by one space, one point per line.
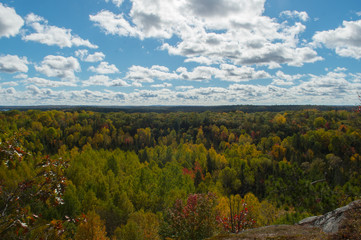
92 228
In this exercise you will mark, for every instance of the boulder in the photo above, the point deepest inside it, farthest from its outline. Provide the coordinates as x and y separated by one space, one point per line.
331 221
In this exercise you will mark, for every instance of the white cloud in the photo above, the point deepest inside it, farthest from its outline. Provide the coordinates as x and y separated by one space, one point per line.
163 85
41 82
96 97
226 72
118 3
238 74
201 73
13 64
84 55
333 85
137 84
182 88
59 66
345 40
8 91
104 80
33 90
100 80
52 35
295 14
356 77
148 75
282 79
113 24
21 76
213 32
95 57
340 69
119 83
10 22
332 88
104 68
10 84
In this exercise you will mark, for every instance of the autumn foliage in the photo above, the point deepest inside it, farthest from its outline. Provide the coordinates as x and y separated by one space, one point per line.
239 218
195 219
44 186
181 175
92 228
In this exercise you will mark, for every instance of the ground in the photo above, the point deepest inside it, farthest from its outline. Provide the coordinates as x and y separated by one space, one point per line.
277 232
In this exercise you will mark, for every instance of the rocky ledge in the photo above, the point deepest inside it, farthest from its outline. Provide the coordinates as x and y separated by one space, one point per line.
342 223
331 221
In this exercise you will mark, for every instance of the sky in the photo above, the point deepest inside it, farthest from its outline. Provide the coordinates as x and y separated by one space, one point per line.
180 52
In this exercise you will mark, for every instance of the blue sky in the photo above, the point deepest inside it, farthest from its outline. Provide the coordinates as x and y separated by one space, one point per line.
180 52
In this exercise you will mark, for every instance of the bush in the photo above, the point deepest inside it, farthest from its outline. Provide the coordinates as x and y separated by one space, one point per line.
239 218
191 221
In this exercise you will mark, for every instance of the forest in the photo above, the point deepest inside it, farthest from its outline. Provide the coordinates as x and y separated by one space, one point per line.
80 174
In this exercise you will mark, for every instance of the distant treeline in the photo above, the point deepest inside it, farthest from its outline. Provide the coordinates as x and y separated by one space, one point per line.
165 109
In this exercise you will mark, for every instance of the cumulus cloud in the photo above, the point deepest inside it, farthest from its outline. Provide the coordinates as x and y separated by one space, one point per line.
282 79
52 35
8 91
118 3
340 69
333 84
233 73
104 68
183 88
148 75
10 84
106 81
345 40
226 72
163 85
21 76
33 90
295 14
101 80
13 64
84 55
201 73
59 66
96 97
137 84
41 82
332 88
213 32
356 77
10 22
113 24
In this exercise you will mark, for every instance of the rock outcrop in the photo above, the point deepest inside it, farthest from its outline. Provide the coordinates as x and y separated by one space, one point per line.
342 223
331 221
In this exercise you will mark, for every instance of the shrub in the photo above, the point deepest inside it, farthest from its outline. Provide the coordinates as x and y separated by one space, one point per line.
239 218
194 220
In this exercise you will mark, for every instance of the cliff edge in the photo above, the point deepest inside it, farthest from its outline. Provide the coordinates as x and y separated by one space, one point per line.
342 223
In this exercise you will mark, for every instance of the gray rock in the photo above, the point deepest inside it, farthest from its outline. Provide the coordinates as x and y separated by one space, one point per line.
331 221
